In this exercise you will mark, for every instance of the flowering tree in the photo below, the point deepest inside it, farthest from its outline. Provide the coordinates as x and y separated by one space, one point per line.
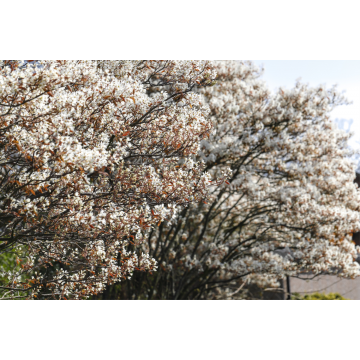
93 154
289 206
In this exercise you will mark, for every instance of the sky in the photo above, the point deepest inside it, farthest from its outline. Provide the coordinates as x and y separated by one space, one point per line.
345 73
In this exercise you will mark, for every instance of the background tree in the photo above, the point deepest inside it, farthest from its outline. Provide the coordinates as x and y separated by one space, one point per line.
290 205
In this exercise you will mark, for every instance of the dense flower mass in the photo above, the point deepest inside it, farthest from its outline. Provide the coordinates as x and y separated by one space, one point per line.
93 154
289 207
153 174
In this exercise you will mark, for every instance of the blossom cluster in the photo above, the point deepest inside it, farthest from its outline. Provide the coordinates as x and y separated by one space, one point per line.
93 155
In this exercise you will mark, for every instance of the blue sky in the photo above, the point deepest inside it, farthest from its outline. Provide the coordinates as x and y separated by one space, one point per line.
345 73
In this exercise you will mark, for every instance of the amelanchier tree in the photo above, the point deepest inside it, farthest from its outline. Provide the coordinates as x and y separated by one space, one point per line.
103 180
93 155
289 206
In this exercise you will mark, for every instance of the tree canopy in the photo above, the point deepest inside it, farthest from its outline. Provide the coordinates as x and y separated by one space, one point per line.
181 179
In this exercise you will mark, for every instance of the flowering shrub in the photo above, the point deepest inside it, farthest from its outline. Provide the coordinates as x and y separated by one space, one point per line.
318 296
289 205
93 154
